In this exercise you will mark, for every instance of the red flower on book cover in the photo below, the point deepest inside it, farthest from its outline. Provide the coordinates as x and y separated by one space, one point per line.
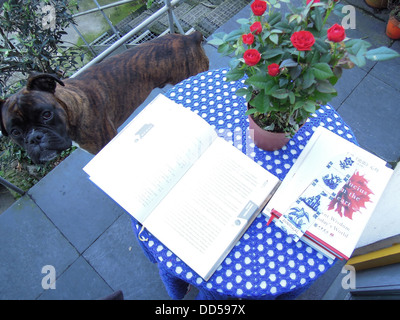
353 196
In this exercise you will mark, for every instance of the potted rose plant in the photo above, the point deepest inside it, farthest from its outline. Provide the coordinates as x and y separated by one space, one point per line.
291 62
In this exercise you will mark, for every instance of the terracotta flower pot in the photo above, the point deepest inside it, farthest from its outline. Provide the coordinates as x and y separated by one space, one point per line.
379 4
266 140
393 28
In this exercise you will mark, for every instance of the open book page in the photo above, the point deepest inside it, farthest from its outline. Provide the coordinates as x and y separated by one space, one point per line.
142 163
203 216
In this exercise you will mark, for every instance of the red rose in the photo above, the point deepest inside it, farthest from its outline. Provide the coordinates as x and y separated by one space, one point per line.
336 33
258 7
302 40
251 57
248 38
273 69
256 27
314 1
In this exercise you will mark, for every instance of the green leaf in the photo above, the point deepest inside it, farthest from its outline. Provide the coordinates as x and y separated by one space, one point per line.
308 79
250 111
243 92
274 18
295 72
381 54
261 102
310 106
225 49
288 63
219 35
262 82
355 46
283 82
337 71
274 38
318 19
233 63
272 53
233 36
243 21
234 75
338 10
323 98
280 94
216 41
322 71
294 17
358 60
325 87
321 45
325 58
292 97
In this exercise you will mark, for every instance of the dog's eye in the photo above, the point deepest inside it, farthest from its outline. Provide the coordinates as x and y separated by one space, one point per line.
15 133
47 115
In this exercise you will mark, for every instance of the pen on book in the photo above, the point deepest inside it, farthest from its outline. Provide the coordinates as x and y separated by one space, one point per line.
274 214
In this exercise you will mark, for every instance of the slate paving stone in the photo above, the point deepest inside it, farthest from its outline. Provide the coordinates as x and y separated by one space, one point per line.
346 85
117 257
6 198
28 242
79 282
75 205
217 61
373 113
389 71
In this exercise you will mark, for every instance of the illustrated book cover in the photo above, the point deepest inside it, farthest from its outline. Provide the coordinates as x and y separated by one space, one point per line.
329 194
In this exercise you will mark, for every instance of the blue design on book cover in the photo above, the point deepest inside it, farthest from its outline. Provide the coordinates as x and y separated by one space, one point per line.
314 202
346 163
298 217
331 180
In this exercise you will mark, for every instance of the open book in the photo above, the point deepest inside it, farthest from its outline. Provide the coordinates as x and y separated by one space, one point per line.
191 189
197 193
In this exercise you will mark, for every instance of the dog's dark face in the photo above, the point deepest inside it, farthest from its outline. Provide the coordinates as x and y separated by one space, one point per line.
35 120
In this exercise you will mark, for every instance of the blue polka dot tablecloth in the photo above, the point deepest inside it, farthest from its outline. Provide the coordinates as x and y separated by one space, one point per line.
265 263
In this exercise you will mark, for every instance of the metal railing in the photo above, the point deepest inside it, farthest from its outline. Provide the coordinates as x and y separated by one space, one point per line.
9 185
168 7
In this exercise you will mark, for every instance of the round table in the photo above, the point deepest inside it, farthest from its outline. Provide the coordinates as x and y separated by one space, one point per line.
265 263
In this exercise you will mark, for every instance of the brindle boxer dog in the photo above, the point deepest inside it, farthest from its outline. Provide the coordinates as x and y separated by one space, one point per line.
48 113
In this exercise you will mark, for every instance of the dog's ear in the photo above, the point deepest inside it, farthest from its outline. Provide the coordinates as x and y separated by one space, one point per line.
2 128
43 82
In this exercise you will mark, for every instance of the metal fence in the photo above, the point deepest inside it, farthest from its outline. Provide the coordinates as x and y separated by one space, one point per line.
167 8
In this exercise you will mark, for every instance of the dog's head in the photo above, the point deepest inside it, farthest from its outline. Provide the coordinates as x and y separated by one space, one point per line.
35 119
